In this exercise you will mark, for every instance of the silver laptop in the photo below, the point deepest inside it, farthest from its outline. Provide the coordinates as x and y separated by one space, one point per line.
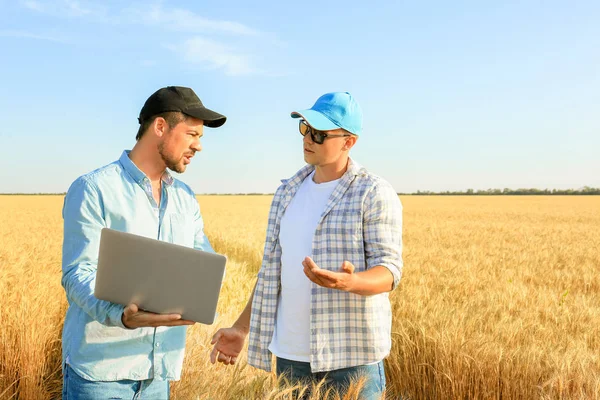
158 276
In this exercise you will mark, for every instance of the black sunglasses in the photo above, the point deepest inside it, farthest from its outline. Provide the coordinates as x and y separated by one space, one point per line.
317 136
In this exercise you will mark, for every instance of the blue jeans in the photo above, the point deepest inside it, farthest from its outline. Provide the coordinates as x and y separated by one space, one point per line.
339 379
78 388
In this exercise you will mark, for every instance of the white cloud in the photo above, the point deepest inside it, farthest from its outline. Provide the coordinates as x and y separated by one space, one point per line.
33 5
197 51
29 35
170 18
66 8
214 55
184 20
75 9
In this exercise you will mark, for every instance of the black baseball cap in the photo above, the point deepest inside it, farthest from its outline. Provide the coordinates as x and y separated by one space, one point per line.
183 99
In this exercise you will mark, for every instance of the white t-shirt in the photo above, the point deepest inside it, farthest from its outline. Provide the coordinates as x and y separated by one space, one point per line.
291 339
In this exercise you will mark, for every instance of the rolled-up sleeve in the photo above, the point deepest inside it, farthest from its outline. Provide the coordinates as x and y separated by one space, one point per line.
382 229
83 223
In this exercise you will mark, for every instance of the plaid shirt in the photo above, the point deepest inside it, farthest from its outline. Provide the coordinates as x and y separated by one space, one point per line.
361 223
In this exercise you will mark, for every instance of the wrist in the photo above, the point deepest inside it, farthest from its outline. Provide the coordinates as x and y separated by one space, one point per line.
353 283
245 329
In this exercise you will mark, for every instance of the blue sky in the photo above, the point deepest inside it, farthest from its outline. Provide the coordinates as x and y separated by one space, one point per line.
455 95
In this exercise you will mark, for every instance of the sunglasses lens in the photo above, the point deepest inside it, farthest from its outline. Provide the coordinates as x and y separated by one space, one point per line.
303 128
318 137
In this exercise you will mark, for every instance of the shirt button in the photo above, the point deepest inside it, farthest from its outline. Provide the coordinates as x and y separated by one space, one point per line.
157 344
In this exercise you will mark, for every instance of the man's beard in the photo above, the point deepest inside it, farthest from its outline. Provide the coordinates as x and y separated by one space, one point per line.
171 163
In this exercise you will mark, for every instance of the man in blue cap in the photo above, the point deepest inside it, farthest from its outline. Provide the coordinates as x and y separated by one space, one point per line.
333 252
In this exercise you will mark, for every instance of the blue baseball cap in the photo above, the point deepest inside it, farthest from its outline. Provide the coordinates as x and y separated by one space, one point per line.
333 111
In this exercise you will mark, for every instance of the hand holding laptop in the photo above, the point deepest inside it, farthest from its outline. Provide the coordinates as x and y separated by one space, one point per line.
134 318
159 283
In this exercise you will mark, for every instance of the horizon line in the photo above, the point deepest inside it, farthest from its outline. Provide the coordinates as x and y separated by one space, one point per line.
469 192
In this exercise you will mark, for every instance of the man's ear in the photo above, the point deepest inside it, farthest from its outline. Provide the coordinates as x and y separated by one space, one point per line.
159 126
350 142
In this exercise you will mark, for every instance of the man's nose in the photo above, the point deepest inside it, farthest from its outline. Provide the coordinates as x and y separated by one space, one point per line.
308 139
197 146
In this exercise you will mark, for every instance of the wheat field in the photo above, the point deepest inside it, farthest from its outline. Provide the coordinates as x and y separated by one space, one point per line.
500 299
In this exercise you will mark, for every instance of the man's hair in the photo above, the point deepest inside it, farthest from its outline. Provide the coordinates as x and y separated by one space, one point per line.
171 117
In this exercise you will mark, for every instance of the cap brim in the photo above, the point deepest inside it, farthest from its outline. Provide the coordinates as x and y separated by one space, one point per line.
211 118
315 119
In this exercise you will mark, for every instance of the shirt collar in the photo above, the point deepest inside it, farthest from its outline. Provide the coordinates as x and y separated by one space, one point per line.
354 168
136 173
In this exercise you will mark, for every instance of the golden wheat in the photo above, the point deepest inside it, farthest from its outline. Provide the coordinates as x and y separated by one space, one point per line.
499 299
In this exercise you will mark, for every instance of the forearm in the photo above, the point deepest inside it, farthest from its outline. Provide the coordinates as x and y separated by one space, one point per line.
243 321
79 288
83 223
373 281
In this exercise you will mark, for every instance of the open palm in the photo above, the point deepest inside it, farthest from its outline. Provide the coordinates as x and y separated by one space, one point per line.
228 342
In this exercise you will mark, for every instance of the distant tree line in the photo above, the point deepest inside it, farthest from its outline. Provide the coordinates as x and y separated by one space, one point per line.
586 190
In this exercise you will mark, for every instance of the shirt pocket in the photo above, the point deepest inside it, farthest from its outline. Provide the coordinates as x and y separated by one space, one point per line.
182 229
344 223
341 236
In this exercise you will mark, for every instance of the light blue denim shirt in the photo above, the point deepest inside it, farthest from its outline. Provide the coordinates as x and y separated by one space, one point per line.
119 196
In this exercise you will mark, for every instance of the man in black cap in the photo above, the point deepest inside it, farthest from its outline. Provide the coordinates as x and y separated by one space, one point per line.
111 351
